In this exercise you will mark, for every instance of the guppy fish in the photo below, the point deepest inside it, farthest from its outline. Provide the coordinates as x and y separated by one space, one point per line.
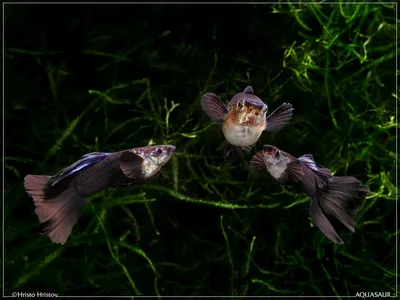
332 197
59 199
244 118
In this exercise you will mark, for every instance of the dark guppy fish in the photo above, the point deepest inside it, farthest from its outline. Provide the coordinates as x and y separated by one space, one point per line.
59 199
331 196
244 118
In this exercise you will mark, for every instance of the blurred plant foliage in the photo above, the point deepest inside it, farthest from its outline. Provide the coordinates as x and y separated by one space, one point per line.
105 79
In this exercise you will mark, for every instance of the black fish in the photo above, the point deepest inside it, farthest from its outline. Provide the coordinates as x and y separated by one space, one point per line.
59 199
331 196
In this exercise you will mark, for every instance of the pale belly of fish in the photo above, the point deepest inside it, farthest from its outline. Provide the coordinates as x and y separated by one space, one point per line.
241 135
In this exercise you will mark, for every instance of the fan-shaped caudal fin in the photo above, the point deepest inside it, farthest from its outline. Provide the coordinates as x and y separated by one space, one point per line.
60 213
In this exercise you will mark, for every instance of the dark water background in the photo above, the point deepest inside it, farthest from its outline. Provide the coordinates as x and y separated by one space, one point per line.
84 78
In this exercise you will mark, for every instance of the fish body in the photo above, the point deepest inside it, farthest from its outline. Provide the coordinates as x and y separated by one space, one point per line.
245 118
332 197
59 199
241 134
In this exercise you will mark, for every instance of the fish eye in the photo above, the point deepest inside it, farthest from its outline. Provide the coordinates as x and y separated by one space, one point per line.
277 153
256 113
240 105
159 151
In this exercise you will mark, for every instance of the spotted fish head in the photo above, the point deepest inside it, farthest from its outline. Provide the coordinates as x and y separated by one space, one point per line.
154 158
247 108
273 155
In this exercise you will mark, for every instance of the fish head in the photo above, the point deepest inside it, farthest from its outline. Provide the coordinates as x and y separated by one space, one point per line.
154 158
269 158
273 159
273 155
247 109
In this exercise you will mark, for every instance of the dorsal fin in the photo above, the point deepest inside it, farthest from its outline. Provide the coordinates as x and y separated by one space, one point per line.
248 90
85 161
308 160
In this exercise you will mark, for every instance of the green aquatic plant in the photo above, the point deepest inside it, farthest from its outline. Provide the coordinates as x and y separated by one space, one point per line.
204 226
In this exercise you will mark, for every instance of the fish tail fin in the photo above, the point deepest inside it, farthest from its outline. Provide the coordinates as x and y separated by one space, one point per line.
36 185
60 212
340 199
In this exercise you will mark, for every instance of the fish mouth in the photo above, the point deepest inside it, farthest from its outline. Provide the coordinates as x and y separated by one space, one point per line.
171 149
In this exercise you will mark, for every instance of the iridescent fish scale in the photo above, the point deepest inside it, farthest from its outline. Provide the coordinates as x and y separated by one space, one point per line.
88 184
86 160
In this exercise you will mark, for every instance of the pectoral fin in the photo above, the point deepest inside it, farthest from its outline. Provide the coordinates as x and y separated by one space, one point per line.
214 107
294 172
131 165
257 164
277 119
